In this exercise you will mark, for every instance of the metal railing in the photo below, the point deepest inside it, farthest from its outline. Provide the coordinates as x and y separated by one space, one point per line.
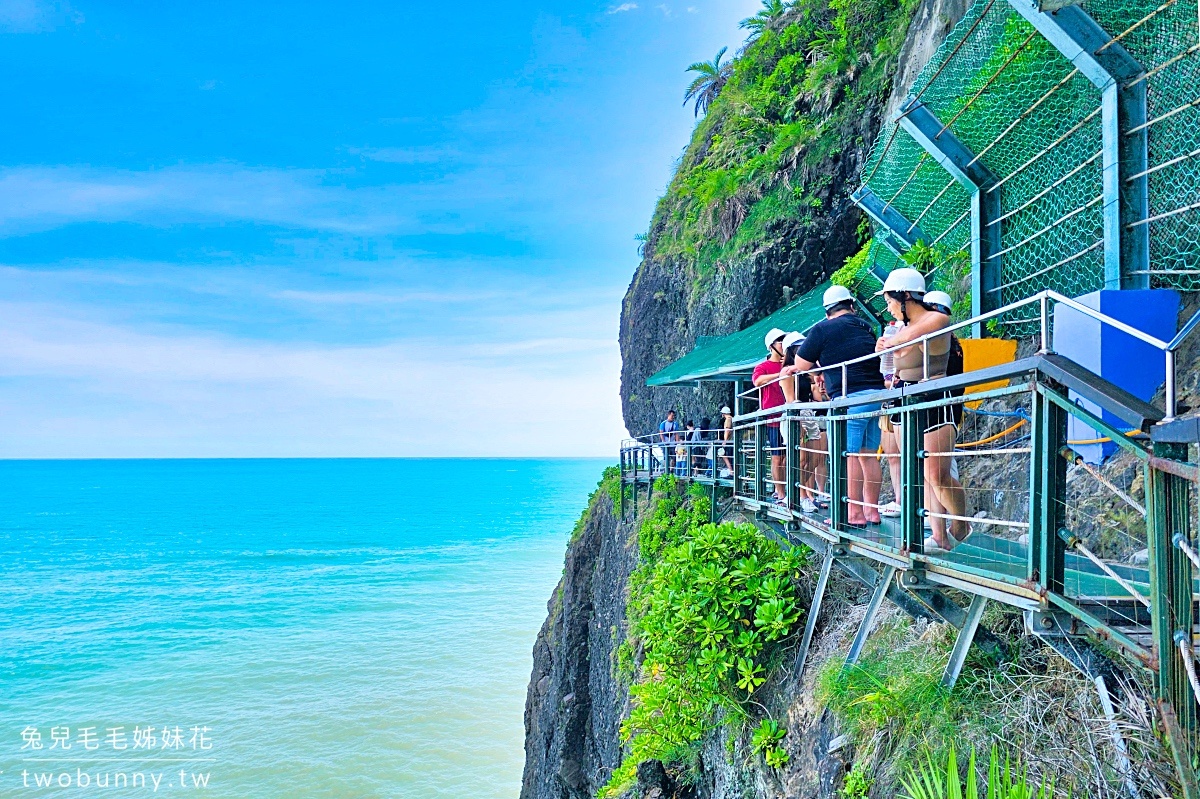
1044 300
1079 549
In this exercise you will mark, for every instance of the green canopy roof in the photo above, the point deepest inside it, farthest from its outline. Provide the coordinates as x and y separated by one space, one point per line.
725 357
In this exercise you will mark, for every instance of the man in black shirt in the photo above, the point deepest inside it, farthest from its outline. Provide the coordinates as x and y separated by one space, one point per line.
843 336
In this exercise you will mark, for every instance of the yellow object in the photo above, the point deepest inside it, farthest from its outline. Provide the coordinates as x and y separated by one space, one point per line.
980 353
990 439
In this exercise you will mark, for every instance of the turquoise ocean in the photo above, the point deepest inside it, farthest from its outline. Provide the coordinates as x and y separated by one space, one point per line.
299 628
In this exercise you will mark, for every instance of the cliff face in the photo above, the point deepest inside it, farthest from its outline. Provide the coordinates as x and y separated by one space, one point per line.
576 700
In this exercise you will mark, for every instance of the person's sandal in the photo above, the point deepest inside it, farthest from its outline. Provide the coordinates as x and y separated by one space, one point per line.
932 547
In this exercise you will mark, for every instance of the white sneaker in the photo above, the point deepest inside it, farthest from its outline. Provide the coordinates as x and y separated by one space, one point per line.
807 505
725 473
891 509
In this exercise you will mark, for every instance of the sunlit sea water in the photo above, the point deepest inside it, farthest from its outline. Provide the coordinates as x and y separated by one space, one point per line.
343 628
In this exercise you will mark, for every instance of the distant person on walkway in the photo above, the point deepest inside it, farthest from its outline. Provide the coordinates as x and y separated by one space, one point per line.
843 336
668 431
766 379
726 438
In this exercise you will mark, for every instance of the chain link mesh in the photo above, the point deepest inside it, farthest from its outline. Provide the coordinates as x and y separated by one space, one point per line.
1035 122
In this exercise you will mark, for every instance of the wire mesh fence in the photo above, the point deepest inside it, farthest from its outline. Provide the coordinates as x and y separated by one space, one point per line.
1032 118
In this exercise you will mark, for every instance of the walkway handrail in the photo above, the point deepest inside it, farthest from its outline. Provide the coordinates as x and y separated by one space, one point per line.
1043 300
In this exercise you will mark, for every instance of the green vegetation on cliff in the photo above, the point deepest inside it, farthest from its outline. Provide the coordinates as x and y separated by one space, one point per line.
709 606
779 108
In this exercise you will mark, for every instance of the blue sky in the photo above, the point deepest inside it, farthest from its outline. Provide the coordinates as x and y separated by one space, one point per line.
359 229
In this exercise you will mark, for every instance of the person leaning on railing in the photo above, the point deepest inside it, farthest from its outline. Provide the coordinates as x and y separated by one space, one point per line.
904 290
812 463
843 336
766 379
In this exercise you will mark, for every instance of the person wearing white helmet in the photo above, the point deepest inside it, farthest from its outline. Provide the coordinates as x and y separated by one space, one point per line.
843 336
905 293
770 395
938 301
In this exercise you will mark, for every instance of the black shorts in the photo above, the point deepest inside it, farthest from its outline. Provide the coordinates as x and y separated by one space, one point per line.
774 442
935 417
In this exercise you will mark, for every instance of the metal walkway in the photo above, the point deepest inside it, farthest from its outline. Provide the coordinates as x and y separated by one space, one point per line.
1107 554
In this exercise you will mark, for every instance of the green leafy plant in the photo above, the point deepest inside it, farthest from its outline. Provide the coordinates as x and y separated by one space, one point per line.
709 608
857 784
765 742
808 70
935 781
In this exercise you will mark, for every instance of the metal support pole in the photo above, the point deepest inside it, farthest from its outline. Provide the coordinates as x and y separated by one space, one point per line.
864 629
1124 767
838 480
912 478
814 609
962 644
791 474
761 463
901 234
1108 66
1047 488
966 168
1167 503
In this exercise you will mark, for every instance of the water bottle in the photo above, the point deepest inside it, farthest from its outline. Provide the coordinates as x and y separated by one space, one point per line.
887 359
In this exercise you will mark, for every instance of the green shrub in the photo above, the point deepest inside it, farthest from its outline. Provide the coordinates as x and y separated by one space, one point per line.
709 606
893 687
857 784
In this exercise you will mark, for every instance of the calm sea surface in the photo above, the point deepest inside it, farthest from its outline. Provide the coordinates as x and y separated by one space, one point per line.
342 628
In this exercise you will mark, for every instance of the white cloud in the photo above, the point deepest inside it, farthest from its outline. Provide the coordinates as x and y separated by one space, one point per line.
79 388
623 7
664 8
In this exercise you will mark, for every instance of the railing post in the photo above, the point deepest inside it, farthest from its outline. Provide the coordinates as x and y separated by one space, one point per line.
759 450
839 487
912 477
739 462
1047 492
1167 504
791 475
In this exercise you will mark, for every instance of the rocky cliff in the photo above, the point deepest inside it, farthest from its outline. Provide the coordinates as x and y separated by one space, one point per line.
806 228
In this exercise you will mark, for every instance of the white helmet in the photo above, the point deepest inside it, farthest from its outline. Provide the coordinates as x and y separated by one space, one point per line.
834 295
940 298
773 335
792 338
725 409
904 279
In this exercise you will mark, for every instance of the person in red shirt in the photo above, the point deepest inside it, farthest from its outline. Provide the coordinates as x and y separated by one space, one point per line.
766 378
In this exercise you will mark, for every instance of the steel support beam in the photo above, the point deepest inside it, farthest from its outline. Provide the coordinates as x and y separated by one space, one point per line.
962 644
902 234
814 609
864 629
966 168
1080 38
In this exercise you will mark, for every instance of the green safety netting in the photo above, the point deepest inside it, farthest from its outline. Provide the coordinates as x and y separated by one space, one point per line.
1035 121
723 357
